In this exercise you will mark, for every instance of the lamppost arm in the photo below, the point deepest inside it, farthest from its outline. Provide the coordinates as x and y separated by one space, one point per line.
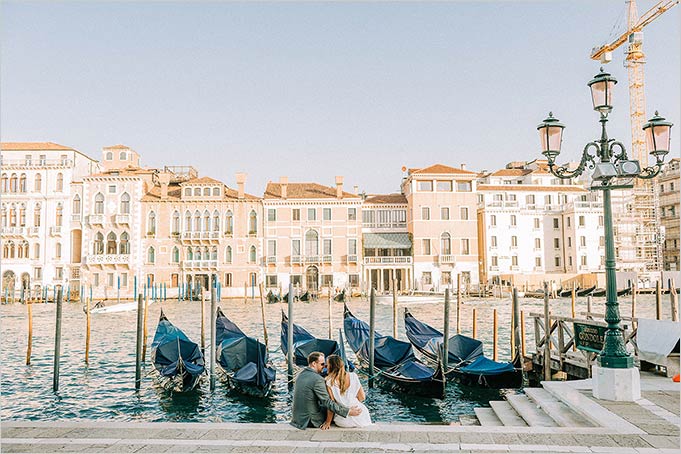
587 161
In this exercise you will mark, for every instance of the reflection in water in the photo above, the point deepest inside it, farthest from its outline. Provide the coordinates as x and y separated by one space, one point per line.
179 406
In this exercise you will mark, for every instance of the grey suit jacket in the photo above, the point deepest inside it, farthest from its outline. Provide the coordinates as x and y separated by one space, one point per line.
311 399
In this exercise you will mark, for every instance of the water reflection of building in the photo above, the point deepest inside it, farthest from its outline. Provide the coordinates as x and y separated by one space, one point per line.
42 196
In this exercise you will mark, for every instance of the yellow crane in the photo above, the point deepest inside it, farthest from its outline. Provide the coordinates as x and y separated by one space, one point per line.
634 61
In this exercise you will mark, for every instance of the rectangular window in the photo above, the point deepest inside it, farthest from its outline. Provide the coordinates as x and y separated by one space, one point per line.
425 186
536 223
601 241
296 280
583 260
327 280
352 246
354 280
570 261
493 220
569 241
569 222
514 260
271 248
537 243
582 221
537 261
556 243
295 247
426 278
271 214
529 199
582 241
600 221
514 221
327 214
464 186
295 214
425 213
425 246
112 189
368 217
444 186
464 213
444 213
556 223
59 271
352 214
271 280
37 273
547 199
465 246
311 214
228 279
514 241
493 241
327 247
446 277
495 260
124 279
96 279
383 218
110 279
557 261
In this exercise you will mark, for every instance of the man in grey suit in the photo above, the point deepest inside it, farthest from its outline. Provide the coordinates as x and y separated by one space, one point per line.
311 399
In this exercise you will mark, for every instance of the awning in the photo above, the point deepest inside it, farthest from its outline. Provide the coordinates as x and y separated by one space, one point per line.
387 241
656 339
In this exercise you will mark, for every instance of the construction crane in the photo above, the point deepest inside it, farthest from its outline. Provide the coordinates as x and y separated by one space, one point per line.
638 236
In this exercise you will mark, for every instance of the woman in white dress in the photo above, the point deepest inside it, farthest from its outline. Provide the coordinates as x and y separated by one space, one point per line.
345 388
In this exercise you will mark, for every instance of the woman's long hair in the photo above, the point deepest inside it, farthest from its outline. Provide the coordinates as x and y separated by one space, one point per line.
337 373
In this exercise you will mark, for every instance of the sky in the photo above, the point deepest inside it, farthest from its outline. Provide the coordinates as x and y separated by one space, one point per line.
313 90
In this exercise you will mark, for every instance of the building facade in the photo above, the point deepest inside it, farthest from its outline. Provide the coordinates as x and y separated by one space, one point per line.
669 190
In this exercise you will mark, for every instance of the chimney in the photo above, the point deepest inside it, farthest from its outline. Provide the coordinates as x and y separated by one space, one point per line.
164 180
283 181
240 182
355 189
463 166
339 187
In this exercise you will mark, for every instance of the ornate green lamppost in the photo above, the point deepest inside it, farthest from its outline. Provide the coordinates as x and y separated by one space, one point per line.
612 169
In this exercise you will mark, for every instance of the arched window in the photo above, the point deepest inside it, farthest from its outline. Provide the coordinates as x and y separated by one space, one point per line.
190 254
4 184
151 224
253 223
206 253
111 243
11 249
176 255
197 192
109 156
229 223
228 254
252 255
187 191
151 255
38 183
13 183
20 252
187 222
57 251
59 215
25 245
36 215
99 203
206 191
36 250
445 244
214 253
5 251
125 203
3 216
76 204
22 183
122 156
175 227
98 247
60 182
197 253
22 215
197 221
206 221
124 244
311 243
216 221
216 192
13 216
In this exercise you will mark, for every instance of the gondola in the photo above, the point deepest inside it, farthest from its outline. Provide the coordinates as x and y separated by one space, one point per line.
305 343
285 297
600 292
395 359
273 298
242 360
586 291
467 363
305 296
178 361
539 293
565 293
340 297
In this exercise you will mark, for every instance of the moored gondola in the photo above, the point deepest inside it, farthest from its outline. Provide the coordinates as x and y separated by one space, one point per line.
178 360
340 296
566 292
467 363
395 359
242 360
600 292
586 291
273 298
305 343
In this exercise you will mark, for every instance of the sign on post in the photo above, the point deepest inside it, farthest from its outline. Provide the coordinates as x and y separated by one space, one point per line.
589 337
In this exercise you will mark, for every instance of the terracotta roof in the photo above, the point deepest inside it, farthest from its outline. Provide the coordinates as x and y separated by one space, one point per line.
33 146
303 191
511 173
117 147
386 198
440 169
529 188
202 180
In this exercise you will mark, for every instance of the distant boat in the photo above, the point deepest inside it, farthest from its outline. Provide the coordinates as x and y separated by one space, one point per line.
305 343
539 293
410 299
395 359
600 292
564 293
243 360
586 291
101 308
466 359
177 359
340 297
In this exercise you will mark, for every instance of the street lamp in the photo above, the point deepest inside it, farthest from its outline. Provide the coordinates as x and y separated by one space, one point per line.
612 169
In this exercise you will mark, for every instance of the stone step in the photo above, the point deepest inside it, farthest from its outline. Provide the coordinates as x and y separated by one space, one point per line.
556 409
507 414
529 411
487 417
469 420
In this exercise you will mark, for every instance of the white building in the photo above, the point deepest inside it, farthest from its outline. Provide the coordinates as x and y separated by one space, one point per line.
42 194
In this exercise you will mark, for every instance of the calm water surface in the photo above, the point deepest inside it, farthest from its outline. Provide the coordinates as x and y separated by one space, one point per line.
105 388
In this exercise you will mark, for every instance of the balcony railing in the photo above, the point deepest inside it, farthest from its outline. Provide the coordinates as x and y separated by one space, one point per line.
37 162
393 260
75 217
326 259
211 235
296 259
384 225
271 259
446 258
33 231
55 231
122 219
107 259
193 264
13 231
313 259
95 219
352 258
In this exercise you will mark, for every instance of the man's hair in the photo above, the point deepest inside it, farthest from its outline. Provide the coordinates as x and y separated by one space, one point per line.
313 357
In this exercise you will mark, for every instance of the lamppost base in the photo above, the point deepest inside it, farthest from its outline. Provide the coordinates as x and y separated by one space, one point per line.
622 385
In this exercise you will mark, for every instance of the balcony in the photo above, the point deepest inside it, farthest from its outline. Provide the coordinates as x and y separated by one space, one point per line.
393 260
37 163
313 259
326 259
122 219
108 259
75 218
296 259
199 236
12 231
271 259
352 258
199 264
55 231
446 258
384 225
33 231
494 268
95 219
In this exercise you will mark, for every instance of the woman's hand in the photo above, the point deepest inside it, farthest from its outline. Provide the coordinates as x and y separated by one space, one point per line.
325 425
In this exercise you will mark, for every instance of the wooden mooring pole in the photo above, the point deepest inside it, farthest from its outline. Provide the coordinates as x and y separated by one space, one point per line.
394 306
289 337
29 307
495 343
658 301
588 306
445 343
138 351
458 303
144 329
330 315
672 301
372 331
87 330
634 290
547 336
213 316
264 320
57 341
203 325
522 333
475 323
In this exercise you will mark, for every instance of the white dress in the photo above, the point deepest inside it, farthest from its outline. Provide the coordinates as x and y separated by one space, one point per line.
349 399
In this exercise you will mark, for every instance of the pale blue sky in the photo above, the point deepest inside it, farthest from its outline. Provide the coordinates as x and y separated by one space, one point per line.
313 90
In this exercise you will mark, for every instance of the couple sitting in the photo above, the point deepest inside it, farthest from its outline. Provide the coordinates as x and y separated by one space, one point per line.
316 401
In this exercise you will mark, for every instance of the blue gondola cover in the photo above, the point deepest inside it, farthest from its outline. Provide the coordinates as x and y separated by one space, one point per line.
486 366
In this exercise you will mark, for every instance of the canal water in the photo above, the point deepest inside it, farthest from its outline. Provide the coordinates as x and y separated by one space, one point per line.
105 388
